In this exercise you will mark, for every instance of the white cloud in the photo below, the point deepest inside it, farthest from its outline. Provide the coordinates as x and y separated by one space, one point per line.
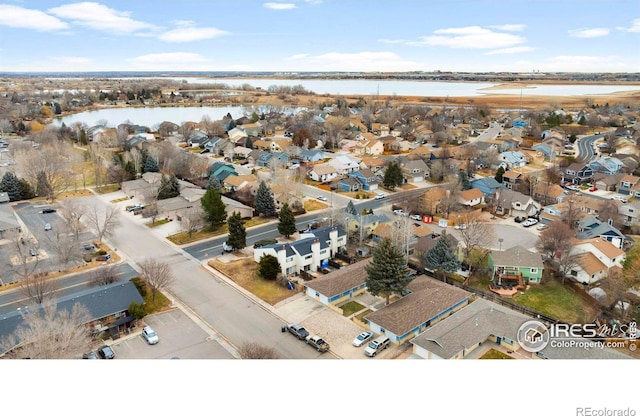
635 26
358 61
279 6
100 17
509 28
187 33
515 49
589 33
14 16
470 37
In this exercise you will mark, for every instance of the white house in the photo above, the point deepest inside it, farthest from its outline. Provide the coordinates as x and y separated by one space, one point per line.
323 173
308 253
595 258
471 197
345 164
513 159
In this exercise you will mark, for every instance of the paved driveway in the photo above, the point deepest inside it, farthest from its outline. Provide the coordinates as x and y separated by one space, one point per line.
179 337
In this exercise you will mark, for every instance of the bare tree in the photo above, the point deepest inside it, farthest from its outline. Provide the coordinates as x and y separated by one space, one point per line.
50 163
476 233
571 213
158 275
401 234
256 351
135 156
72 212
103 221
556 238
26 267
567 260
616 284
105 275
38 287
64 245
608 210
48 333
191 220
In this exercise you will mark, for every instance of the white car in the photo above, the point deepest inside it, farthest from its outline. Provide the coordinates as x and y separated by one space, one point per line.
379 196
416 217
362 338
529 222
619 198
399 212
542 227
321 198
150 335
461 226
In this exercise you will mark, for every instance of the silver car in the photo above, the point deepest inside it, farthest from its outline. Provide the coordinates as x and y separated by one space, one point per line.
150 335
362 338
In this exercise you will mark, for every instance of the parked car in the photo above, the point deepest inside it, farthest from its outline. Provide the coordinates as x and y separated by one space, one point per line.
264 242
106 352
90 356
529 222
150 335
379 196
519 219
33 252
47 227
318 343
398 212
226 248
377 345
619 198
298 331
416 217
321 198
88 246
136 207
542 227
362 338
461 226
48 210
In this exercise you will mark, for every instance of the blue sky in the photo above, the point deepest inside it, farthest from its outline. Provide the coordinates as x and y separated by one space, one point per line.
321 35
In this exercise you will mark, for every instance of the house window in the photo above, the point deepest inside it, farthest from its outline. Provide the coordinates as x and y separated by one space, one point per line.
382 330
308 256
534 270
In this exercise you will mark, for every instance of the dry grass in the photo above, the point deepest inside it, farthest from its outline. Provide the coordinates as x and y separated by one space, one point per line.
314 205
243 273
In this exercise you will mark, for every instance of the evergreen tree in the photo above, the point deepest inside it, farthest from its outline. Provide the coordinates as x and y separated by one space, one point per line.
83 137
264 201
499 174
387 272
169 187
237 232
392 176
43 187
441 257
214 183
130 169
268 267
351 209
214 209
150 165
463 178
287 224
11 185
26 190
248 143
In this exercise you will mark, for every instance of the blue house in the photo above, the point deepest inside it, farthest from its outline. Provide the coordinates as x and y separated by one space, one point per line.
591 227
222 171
313 155
272 160
368 180
607 165
488 186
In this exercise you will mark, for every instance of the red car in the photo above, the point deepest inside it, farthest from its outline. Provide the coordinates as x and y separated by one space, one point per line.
593 189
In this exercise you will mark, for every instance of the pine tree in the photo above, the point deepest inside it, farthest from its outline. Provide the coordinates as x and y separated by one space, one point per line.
150 165
43 187
268 267
214 183
287 224
463 178
387 272
214 209
237 232
169 187
11 185
441 257
248 143
264 201
499 174
392 176
26 190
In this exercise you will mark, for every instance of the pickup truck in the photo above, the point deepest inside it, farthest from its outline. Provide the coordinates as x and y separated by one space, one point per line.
318 343
298 331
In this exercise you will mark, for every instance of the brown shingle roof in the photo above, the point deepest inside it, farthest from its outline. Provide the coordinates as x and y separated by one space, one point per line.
341 280
470 194
590 264
430 298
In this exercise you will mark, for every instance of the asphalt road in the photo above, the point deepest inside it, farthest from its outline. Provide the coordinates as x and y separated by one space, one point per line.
586 151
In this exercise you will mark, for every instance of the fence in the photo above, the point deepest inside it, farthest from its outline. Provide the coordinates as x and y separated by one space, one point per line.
495 298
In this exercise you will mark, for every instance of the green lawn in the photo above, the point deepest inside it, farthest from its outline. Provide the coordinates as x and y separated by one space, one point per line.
495 355
361 315
350 308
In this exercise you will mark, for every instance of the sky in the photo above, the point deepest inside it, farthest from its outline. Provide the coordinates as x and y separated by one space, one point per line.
320 35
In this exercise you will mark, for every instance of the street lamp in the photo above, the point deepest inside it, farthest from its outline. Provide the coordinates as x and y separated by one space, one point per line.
500 240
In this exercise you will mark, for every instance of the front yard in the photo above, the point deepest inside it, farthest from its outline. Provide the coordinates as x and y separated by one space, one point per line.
243 272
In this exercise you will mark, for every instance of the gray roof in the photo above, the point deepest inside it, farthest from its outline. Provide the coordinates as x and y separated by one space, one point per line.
470 326
581 352
516 256
429 298
341 280
100 301
8 220
303 247
591 227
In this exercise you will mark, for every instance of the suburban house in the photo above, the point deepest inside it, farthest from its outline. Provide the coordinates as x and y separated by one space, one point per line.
513 159
508 202
323 173
144 188
340 285
308 253
272 160
197 138
577 173
429 201
414 170
234 183
367 180
311 155
488 186
629 185
221 170
344 164
375 164
630 213
516 263
8 221
429 302
512 179
607 165
236 134
591 227
108 308
427 242
595 258
471 197
364 224
548 194
607 182
481 323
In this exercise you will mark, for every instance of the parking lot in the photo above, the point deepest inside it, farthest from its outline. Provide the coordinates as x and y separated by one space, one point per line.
179 336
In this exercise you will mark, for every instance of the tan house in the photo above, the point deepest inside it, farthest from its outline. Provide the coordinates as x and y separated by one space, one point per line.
429 201
233 183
